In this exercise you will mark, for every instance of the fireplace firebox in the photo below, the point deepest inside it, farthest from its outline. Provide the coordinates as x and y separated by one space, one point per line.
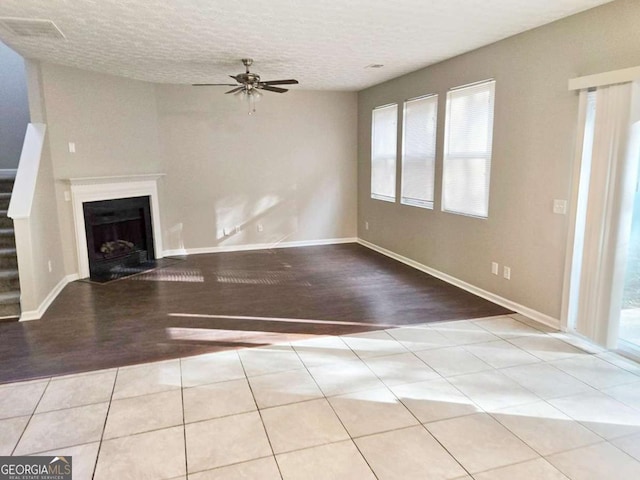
119 236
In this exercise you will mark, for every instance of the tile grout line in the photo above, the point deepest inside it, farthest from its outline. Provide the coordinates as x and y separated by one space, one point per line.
490 414
30 416
521 462
615 365
221 467
541 399
104 426
543 362
506 427
184 425
324 396
264 427
420 424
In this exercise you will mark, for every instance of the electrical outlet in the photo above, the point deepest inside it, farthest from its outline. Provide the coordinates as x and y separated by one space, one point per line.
560 207
72 147
506 273
366 225
495 268
50 266
260 227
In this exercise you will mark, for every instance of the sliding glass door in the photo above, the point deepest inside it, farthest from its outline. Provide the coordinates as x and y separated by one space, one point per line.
630 312
604 294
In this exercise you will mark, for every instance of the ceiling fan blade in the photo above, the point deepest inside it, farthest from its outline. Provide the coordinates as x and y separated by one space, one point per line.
235 90
291 81
272 89
213 84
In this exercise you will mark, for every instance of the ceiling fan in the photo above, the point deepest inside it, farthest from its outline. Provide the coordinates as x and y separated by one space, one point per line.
249 83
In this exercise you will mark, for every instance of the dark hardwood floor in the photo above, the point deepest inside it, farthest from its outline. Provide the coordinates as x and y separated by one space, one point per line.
218 301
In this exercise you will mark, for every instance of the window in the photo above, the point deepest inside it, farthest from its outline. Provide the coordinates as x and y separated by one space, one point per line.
467 149
419 151
384 135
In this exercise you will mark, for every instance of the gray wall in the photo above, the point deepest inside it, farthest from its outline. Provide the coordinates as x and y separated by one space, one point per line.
291 166
534 137
14 107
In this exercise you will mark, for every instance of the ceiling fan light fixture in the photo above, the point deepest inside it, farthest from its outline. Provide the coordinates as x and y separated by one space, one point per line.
249 96
249 86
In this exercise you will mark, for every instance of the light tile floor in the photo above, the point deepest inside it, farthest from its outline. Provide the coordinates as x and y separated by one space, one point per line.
485 399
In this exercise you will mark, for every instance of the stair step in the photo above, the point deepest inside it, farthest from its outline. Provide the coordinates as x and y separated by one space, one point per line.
10 304
9 278
5 221
5 198
8 258
8 274
9 298
7 237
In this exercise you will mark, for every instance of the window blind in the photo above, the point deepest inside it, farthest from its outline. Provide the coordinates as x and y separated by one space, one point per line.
467 149
419 151
384 134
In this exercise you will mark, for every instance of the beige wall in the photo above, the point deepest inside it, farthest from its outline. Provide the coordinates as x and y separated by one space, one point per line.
14 107
291 167
112 120
113 123
534 136
39 237
39 249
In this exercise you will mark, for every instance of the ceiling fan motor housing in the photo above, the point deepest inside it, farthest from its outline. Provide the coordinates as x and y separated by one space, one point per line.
248 78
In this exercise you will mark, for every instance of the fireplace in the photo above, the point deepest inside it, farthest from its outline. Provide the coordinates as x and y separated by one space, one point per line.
119 236
95 190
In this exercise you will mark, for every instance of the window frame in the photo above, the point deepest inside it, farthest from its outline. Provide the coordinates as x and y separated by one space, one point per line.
413 202
378 196
486 155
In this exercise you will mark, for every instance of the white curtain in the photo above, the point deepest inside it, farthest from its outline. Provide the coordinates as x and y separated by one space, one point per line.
611 183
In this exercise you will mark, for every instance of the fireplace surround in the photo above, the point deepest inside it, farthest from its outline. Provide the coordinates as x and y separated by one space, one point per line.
96 189
119 235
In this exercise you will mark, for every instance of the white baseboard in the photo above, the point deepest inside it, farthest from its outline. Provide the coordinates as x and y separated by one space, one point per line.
37 314
492 297
8 172
259 246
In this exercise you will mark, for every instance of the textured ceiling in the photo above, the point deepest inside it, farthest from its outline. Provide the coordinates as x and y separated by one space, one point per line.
326 44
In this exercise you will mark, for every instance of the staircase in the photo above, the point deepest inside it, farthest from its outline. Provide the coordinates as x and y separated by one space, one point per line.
9 282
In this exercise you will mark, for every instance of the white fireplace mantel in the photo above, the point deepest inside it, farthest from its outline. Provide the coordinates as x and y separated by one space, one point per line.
92 189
